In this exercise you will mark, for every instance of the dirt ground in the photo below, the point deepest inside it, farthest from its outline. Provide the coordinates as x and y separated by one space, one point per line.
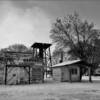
51 90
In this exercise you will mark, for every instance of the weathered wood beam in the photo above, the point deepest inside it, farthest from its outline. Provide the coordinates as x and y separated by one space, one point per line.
6 69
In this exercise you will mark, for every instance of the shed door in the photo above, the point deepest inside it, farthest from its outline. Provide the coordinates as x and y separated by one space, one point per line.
65 74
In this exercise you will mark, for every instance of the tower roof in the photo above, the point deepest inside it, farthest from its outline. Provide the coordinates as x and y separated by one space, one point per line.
41 45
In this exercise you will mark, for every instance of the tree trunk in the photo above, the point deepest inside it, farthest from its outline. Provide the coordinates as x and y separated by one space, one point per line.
90 78
80 79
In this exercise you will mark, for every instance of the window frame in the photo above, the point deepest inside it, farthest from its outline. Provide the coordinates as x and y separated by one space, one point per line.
74 71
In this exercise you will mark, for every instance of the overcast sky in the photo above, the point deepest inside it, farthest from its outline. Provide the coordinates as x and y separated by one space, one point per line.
29 21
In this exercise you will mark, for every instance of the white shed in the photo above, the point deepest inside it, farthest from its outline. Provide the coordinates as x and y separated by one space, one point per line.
67 71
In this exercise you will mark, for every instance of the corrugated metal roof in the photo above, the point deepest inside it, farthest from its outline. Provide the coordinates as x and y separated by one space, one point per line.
66 63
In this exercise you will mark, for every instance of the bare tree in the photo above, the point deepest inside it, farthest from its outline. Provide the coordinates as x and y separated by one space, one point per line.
78 35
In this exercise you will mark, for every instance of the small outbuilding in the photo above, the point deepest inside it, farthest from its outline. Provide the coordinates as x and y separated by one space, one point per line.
67 71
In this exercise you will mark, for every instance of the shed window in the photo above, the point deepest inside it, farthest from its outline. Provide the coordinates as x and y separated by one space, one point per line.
74 71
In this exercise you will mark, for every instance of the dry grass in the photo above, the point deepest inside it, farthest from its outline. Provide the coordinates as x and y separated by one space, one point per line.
52 91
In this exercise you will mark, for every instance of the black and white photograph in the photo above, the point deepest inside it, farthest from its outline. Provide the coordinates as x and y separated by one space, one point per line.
49 49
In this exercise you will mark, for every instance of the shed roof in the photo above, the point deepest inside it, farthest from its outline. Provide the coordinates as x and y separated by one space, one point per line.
67 63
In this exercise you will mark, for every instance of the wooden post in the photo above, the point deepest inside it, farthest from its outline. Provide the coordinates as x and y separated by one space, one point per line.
45 71
45 58
36 55
50 61
33 55
6 74
29 74
42 75
70 73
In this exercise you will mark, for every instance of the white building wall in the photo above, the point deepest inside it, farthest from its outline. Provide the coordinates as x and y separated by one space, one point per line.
65 74
75 77
57 74
62 73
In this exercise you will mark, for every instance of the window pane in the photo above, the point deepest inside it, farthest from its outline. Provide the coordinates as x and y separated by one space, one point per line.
74 71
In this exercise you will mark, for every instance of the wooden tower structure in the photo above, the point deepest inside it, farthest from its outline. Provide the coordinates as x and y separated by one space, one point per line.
42 53
26 67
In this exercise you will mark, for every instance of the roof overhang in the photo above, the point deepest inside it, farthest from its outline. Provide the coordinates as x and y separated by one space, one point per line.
66 63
